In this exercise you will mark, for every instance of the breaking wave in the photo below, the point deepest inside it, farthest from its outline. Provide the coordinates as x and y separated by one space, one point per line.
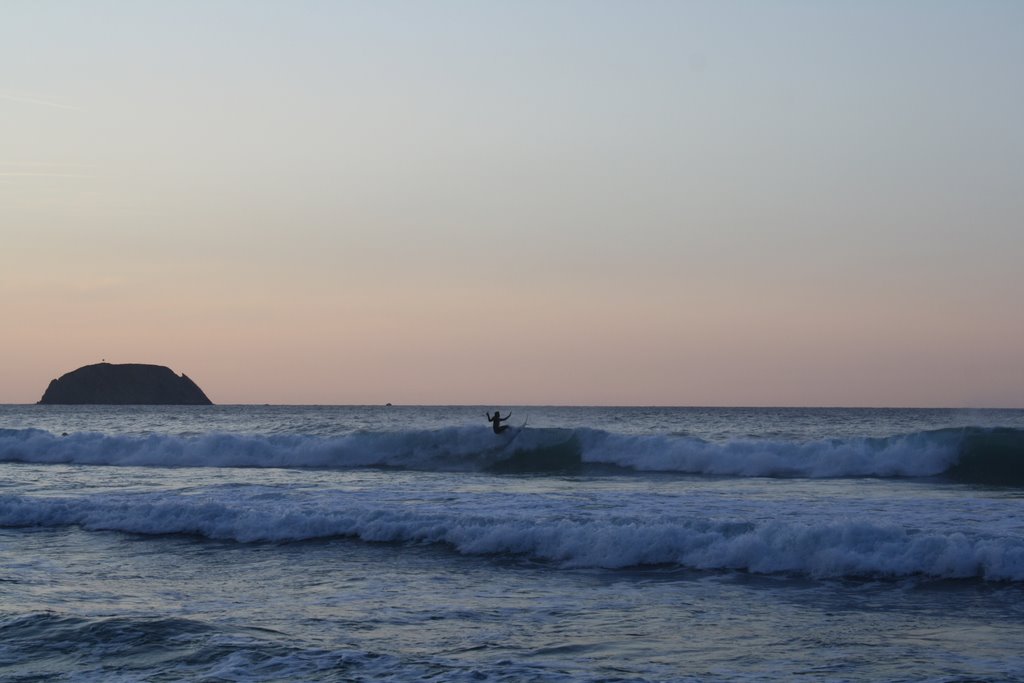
570 538
969 455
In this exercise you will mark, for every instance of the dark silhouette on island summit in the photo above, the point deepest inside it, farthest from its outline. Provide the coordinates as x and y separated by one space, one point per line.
124 384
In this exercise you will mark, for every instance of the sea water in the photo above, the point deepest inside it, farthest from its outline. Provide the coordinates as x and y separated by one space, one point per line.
266 543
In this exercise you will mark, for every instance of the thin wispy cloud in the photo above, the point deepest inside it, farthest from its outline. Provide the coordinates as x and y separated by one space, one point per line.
42 174
42 164
44 169
32 98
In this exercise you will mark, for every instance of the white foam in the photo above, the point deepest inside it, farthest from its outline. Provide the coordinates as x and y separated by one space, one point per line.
453 449
913 455
474 449
838 546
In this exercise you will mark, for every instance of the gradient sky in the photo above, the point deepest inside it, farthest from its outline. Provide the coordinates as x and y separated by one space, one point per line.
549 202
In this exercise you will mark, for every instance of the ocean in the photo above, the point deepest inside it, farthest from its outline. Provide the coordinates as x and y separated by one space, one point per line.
341 543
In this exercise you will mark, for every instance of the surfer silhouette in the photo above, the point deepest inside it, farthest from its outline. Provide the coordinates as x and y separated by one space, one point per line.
497 420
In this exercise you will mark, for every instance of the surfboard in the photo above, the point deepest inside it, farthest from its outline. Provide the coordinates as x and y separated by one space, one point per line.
518 431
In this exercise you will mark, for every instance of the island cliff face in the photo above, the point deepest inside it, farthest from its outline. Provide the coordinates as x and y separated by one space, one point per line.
124 384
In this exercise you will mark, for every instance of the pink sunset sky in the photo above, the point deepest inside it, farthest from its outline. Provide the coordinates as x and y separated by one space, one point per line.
693 203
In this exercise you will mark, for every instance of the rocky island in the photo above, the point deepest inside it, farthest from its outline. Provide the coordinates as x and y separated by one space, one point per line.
124 384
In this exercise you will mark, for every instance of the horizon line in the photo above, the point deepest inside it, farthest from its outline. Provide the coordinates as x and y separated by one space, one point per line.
528 405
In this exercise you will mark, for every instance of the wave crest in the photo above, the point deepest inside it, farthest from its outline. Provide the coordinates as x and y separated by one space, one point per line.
847 548
992 456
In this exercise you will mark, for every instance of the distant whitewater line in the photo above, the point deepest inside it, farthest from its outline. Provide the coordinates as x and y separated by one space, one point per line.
992 455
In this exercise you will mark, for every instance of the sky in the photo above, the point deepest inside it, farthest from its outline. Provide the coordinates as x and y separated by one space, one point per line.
770 203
